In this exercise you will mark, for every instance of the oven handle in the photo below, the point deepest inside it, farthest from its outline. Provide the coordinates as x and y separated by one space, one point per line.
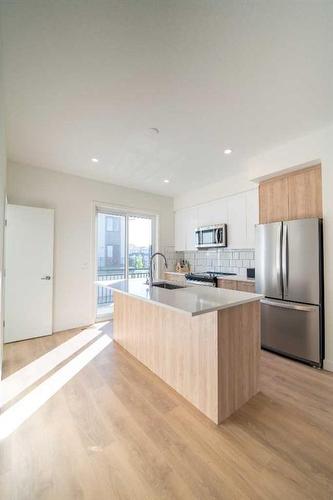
201 283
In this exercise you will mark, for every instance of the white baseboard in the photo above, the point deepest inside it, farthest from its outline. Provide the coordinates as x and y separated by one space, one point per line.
328 365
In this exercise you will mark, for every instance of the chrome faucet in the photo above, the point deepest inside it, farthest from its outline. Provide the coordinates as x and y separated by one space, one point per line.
150 277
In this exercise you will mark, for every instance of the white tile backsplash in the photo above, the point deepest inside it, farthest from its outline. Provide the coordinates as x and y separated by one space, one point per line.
220 260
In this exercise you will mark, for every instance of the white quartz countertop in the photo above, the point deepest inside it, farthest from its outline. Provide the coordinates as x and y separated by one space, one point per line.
193 300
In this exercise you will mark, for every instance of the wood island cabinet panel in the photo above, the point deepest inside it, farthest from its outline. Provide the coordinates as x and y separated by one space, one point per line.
212 359
305 194
182 350
273 200
239 357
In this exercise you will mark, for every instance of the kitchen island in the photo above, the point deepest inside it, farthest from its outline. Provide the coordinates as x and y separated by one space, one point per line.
203 342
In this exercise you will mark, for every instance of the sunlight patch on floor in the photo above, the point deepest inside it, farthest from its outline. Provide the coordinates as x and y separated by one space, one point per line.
12 418
12 386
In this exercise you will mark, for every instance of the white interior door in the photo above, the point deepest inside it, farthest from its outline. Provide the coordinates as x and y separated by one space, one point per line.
29 272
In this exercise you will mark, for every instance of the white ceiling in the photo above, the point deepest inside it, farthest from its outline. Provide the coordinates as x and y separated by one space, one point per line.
89 79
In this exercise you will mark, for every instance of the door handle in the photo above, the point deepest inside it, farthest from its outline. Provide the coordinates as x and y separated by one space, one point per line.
278 259
46 278
289 305
285 260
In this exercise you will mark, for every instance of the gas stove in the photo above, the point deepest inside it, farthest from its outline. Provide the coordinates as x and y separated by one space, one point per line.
208 278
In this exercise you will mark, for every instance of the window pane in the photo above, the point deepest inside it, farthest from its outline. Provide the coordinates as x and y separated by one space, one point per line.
139 246
110 256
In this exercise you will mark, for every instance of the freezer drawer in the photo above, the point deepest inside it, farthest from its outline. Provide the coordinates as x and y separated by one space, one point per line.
291 329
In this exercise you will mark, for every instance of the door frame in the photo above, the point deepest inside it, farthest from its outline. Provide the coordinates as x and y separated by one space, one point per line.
117 210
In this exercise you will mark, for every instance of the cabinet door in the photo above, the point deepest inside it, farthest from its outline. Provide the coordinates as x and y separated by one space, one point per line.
185 225
244 286
252 216
214 212
305 199
273 200
180 231
230 284
191 223
237 221
204 214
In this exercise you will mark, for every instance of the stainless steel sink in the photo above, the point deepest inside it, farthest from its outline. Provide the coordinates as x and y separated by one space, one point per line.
168 286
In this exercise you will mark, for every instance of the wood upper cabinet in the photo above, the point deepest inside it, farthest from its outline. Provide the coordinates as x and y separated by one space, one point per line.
305 194
297 195
273 200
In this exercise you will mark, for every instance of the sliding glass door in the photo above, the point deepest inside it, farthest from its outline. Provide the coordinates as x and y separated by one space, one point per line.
124 245
140 233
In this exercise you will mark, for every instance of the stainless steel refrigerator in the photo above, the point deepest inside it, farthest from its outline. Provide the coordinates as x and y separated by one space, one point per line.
289 272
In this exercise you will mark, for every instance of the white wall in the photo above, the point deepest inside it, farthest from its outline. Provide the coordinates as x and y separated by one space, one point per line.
73 198
2 206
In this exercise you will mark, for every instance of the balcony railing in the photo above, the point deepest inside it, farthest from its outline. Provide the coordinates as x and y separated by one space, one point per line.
104 295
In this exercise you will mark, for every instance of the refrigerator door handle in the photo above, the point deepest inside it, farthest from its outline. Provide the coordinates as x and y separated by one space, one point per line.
285 259
278 260
289 305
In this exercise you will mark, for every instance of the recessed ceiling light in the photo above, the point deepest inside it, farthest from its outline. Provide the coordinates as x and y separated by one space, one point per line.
95 160
166 181
227 151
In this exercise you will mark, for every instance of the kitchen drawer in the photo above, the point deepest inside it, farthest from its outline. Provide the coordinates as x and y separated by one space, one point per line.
231 285
245 286
242 286
292 329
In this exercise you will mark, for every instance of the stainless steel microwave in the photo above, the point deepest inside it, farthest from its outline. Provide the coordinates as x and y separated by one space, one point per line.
211 236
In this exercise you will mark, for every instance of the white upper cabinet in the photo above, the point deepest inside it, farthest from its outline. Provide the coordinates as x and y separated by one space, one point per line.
214 212
179 230
185 225
237 221
240 212
252 215
191 223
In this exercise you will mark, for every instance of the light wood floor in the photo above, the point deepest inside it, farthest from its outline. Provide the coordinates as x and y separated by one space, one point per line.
116 431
